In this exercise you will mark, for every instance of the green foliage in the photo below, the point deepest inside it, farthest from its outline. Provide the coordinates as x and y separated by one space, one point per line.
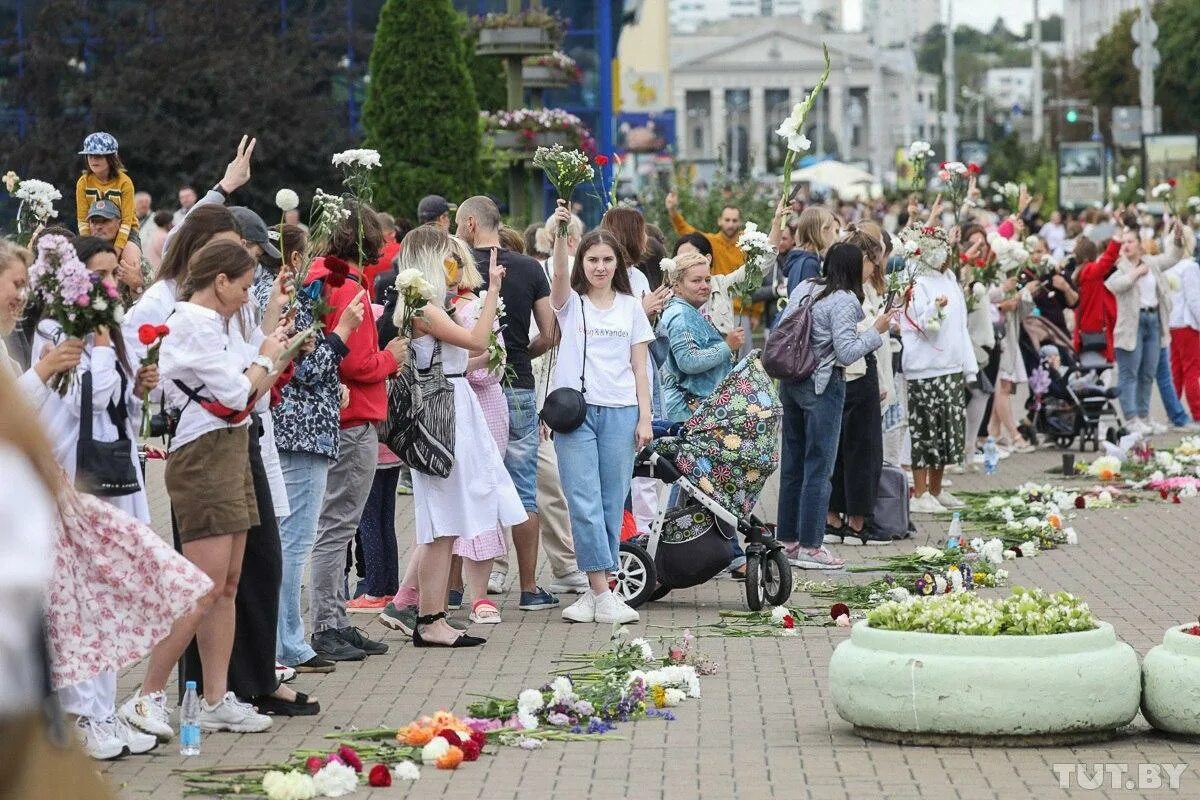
421 113
178 94
1108 75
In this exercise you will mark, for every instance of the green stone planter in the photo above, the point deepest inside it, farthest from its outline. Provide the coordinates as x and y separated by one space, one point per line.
1171 683
512 145
514 42
928 688
537 76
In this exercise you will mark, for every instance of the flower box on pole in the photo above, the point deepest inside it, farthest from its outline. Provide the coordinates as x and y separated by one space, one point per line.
538 76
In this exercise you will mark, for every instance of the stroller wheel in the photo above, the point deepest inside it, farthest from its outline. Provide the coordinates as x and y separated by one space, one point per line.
754 584
636 578
777 577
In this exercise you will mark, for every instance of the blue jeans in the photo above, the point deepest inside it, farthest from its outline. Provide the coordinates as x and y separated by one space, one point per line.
524 436
1136 368
812 425
304 475
377 532
598 455
1166 387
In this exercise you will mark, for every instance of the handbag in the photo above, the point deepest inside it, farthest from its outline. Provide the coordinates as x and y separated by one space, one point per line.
422 433
565 408
788 353
105 469
1093 341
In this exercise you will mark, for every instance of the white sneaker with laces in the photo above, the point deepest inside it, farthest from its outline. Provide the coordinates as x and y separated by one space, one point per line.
496 583
100 739
582 610
949 501
149 714
926 504
137 742
572 583
232 715
610 609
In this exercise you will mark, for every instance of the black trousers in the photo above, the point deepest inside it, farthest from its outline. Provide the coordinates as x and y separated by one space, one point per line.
252 663
859 461
992 370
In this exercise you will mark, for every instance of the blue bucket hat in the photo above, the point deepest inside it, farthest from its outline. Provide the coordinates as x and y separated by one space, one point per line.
99 144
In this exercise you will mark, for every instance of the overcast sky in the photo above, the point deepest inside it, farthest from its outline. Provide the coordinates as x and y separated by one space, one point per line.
977 13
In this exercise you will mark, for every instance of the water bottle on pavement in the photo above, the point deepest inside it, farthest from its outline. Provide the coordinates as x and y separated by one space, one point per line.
189 722
954 538
991 457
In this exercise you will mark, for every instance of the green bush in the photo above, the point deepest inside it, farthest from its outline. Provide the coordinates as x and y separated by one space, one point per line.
421 113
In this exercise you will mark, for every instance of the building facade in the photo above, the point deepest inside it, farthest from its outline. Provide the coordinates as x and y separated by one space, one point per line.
888 28
688 15
734 82
1085 21
1007 87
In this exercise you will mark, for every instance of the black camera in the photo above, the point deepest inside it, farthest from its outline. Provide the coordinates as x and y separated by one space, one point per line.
164 422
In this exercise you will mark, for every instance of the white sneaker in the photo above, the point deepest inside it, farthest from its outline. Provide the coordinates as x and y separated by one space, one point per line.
926 504
582 610
572 583
1157 427
232 715
284 673
149 714
947 482
496 583
1136 425
610 609
948 500
135 740
817 558
100 739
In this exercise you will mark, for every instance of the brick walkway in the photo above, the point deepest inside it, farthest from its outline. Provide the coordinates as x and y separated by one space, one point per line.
765 727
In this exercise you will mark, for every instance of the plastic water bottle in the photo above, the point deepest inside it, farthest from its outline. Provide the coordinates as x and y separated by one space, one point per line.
189 721
991 457
954 538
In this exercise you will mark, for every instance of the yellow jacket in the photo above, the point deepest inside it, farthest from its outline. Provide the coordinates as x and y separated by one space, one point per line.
727 256
89 189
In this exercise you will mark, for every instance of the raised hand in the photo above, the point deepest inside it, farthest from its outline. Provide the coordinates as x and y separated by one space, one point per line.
496 272
672 202
237 173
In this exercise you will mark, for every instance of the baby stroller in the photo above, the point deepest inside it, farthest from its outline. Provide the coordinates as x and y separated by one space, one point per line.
1071 400
717 462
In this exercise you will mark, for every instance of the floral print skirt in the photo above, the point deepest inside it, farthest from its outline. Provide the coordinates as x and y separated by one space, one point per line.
937 420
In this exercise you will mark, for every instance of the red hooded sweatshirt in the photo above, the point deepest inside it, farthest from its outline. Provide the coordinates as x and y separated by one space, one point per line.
1097 309
365 367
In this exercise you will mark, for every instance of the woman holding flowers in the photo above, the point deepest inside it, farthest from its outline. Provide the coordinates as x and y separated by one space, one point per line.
460 512
604 354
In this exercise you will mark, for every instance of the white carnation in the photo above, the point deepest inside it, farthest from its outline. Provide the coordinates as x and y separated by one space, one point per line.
365 158
530 700
778 613
336 780
291 785
406 771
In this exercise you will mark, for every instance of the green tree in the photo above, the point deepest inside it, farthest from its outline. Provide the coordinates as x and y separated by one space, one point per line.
421 113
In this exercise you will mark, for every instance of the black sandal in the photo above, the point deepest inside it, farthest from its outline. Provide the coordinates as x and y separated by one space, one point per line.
464 640
274 706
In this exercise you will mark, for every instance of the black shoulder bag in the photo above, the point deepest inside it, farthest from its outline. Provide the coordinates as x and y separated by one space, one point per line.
105 469
565 408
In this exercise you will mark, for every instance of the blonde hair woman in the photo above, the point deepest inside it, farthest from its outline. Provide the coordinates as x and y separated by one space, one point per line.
816 230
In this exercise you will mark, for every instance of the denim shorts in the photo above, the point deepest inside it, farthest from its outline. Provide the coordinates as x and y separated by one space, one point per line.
521 458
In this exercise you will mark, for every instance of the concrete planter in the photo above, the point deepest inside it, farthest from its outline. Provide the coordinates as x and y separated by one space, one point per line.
537 76
927 688
513 42
513 141
1171 683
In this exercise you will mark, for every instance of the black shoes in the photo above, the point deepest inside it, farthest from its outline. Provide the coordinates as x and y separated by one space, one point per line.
316 664
464 640
354 637
330 646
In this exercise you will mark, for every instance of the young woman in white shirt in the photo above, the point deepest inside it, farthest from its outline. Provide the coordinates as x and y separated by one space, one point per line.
598 316
208 476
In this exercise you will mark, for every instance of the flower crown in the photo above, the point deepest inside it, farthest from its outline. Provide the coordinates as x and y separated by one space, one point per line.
925 246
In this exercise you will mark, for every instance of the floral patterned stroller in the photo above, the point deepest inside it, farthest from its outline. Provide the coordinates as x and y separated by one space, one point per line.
717 462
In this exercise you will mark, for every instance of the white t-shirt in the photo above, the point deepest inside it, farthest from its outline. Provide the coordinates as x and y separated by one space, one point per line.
1148 290
611 334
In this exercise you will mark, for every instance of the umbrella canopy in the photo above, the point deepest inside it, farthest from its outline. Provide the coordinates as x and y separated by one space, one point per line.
847 180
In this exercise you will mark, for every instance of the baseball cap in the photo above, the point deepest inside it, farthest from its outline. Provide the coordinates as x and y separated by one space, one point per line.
104 208
254 229
433 206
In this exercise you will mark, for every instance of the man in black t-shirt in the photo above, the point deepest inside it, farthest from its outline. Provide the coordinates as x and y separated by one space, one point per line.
526 296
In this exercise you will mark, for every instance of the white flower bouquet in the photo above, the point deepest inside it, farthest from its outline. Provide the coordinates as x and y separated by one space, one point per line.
566 170
760 255
37 203
919 154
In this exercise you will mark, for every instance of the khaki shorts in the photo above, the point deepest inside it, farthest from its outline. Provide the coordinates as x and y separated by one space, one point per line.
210 485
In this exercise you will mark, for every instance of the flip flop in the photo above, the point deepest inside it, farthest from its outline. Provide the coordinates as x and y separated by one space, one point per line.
490 614
274 706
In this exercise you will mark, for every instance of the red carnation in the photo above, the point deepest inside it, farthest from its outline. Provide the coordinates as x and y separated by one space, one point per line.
470 749
479 737
1175 499
451 736
788 622
338 271
313 764
974 168
379 776
163 330
601 160
1194 630
942 165
349 757
1081 502
147 334
1171 182
838 610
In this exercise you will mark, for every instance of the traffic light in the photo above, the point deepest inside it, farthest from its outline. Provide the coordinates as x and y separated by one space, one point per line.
1072 115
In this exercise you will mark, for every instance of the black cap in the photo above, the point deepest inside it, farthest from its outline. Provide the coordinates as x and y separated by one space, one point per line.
433 206
254 229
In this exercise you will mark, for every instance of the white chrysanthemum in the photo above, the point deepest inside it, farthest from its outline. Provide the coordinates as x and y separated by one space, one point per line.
291 785
644 646
528 721
530 700
406 771
364 158
778 613
336 780
564 692
287 200
673 697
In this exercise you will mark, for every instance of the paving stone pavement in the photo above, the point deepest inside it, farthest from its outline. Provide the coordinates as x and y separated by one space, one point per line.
765 727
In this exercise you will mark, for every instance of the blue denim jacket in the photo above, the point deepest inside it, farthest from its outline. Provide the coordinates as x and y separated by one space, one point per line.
697 358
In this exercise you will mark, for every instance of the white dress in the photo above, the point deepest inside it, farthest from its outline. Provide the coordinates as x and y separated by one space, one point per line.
478 491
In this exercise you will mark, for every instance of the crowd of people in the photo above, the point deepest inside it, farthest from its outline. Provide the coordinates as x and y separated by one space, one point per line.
561 347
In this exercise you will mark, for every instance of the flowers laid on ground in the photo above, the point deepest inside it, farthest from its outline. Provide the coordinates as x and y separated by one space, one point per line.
72 295
792 128
760 256
566 170
529 122
151 336
1106 468
291 785
37 203
1027 612
557 60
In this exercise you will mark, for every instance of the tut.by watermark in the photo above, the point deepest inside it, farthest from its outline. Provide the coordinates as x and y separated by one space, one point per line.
1119 776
